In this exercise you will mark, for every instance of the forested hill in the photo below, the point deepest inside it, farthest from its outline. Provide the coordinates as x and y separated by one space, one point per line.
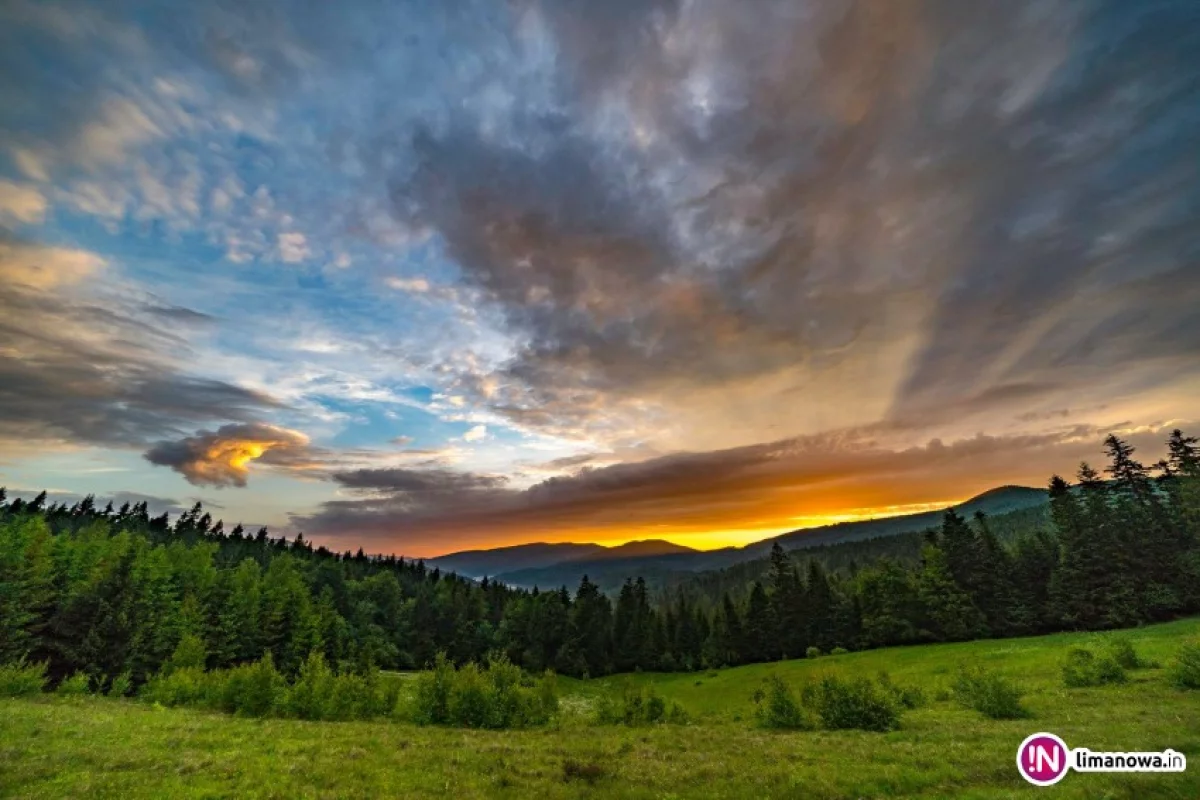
117 593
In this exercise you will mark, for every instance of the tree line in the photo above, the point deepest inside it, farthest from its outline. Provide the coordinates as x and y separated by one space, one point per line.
113 592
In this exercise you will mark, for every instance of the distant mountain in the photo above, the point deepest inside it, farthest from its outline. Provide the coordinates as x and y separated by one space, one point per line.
992 502
609 567
478 563
645 548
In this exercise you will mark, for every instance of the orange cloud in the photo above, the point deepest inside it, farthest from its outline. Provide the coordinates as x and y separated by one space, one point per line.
222 458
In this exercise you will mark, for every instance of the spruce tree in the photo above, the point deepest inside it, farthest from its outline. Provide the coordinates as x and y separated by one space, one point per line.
952 615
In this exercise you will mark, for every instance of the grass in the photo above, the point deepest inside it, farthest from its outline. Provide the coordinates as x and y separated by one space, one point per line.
103 747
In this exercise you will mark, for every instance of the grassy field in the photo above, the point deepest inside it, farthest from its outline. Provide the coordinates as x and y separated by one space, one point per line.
93 747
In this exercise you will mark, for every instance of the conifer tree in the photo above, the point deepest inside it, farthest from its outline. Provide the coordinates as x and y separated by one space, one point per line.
952 615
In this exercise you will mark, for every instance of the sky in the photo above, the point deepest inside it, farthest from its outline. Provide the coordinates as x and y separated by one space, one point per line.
421 277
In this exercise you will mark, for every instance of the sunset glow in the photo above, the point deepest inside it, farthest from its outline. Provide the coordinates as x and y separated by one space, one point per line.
419 278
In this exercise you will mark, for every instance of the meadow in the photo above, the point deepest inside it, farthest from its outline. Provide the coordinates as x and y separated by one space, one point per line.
53 746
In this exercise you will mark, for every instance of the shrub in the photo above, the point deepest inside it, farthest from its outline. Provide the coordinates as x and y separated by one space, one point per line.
1083 668
905 696
185 687
309 697
1122 651
838 651
253 690
812 652
1185 669
988 693
350 698
22 679
778 708
637 705
121 685
499 695
75 686
856 703
470 699
431 701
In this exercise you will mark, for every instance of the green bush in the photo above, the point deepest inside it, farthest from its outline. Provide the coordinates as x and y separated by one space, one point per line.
22 679
258 690
253 690
778 708
838 651
497 696
1185 669
1082 668
77 685
988 693
350 698
188 686
637 705
470 698
905 696
1122 651
812 652
431 700
122 685
310 695
851 704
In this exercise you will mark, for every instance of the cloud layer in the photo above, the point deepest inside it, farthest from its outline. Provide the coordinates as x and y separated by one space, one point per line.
655 265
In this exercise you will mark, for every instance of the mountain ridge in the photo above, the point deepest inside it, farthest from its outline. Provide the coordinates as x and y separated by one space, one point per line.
539 564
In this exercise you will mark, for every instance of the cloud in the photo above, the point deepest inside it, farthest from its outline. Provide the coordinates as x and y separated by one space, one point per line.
180 315
768 488
708 212
293 247
221 458
21 202
41 267
413 285
661 231
90 368
29 164
475 434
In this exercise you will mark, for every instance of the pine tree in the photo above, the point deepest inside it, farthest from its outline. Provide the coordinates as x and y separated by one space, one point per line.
818 605
786 608
240 623
760 628
951 613
591 627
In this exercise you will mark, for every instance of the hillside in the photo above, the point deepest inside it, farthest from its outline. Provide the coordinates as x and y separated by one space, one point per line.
101 747
478 563
610 568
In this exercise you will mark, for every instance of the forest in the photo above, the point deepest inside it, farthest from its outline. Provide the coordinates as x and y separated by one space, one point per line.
114 593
